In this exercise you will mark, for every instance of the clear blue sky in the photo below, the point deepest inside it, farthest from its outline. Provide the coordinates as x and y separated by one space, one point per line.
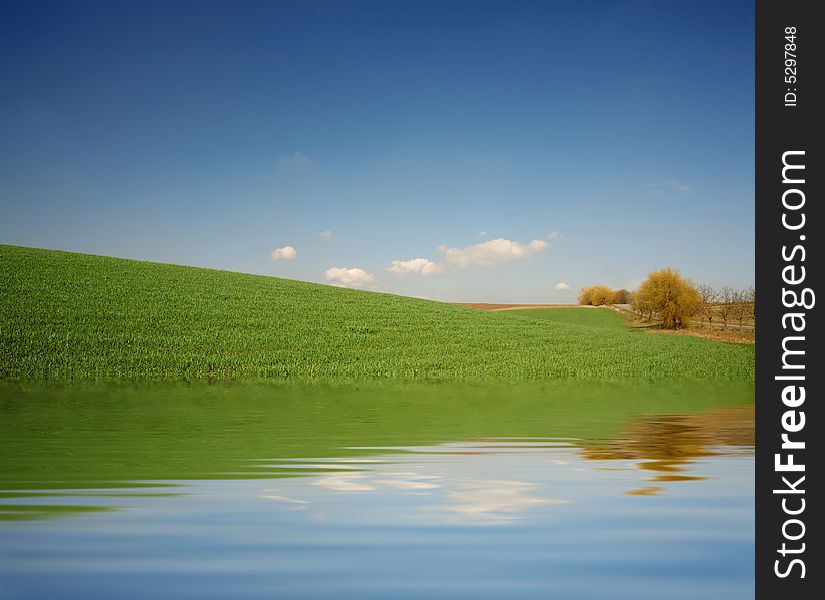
596 141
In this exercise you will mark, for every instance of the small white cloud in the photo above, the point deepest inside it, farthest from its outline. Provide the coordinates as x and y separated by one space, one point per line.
326 234
669 184
353 277
295 164
284 253
492 253
422 266
553 235
483 233
562 286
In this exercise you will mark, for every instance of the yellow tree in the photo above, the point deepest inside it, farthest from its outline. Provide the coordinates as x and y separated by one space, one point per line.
670 296
640 303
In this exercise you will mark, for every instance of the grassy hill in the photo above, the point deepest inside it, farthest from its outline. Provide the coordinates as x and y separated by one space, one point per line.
66 316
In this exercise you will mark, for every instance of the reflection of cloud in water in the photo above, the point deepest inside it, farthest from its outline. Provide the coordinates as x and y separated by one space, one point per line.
504 480
282 498
367 482
410 481
489 501
461 483
345 482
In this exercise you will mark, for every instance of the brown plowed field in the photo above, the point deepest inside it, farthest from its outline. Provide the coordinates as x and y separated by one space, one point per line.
486 306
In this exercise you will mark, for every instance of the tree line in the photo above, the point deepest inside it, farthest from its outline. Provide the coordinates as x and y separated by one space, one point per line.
727 305
675 301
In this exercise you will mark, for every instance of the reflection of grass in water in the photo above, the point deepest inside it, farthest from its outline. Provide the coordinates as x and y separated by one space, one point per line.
56 437
36 512
4 495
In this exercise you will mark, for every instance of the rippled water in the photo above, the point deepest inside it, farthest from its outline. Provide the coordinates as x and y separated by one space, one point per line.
563 491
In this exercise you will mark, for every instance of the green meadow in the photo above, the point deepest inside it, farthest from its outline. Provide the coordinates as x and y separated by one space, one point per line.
76 317
600 317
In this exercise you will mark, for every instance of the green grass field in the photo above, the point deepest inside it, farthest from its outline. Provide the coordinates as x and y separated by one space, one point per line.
591 317
66 316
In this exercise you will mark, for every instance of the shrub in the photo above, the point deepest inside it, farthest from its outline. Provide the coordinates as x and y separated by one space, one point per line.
601 295
597 295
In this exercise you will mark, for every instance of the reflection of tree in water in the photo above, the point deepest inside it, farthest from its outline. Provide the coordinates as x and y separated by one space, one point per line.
668 444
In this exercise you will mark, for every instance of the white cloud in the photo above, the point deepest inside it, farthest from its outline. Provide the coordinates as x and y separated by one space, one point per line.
483 233
294 165
353 277
562 286
422 266
492 253
284 253
326 234
669 184
553 235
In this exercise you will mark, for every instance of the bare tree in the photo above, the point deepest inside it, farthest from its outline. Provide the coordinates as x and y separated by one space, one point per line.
622 296
709 297
750 298
727 297
740 307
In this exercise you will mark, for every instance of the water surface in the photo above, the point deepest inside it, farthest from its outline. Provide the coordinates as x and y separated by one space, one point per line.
403 491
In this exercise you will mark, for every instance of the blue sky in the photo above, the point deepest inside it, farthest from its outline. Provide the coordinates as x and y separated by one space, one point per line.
534 143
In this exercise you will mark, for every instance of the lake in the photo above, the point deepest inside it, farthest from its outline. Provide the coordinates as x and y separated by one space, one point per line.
566 490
